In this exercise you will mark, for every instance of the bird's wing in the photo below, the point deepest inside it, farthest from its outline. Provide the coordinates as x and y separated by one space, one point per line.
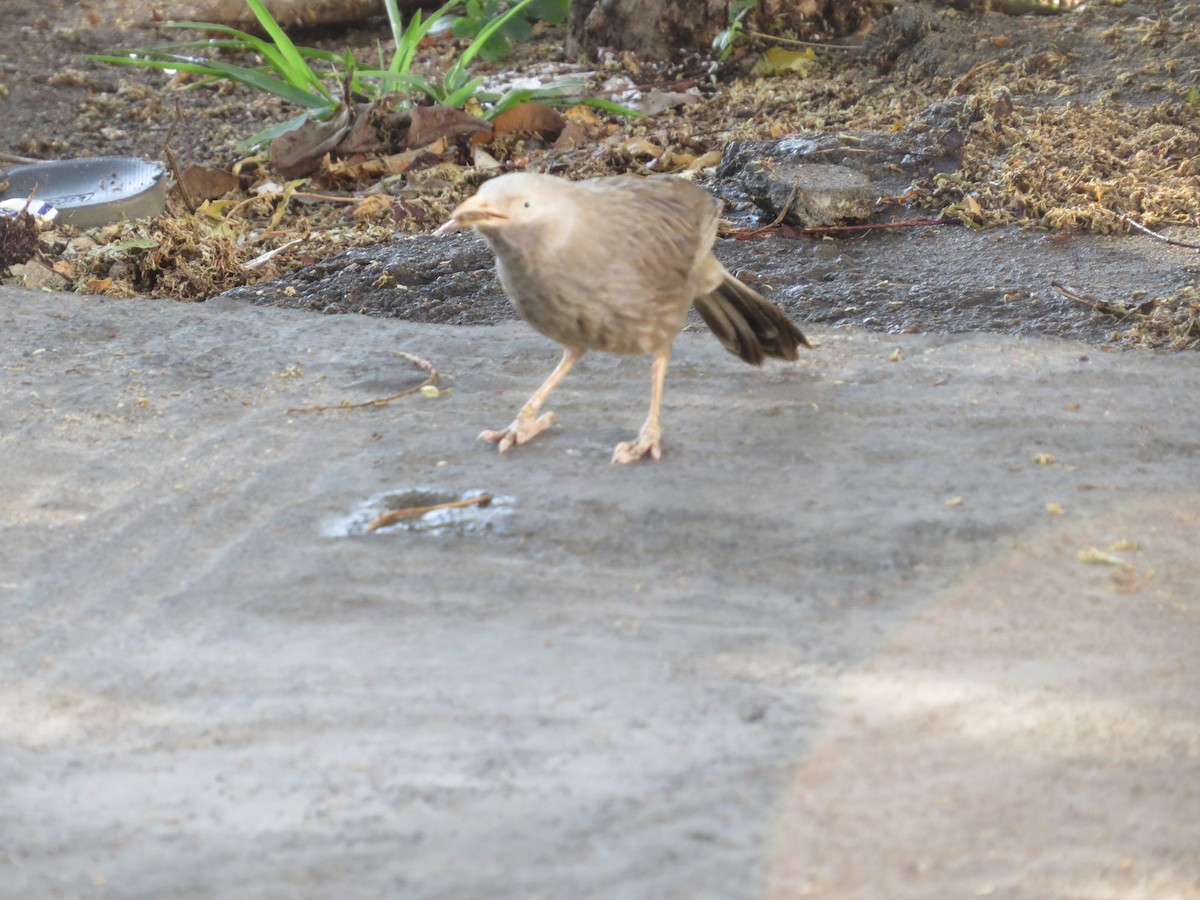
661 228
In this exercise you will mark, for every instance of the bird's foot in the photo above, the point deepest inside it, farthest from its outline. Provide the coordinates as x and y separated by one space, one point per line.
647 442
521 431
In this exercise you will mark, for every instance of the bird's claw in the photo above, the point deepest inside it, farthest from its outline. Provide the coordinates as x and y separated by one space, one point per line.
631 451
521 431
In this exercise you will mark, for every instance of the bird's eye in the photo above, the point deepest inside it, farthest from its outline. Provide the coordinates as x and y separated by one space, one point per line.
527 204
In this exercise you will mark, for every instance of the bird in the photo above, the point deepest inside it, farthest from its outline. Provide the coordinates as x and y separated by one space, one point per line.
612 264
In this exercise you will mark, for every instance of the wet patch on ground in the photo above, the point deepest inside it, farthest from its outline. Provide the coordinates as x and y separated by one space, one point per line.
940 279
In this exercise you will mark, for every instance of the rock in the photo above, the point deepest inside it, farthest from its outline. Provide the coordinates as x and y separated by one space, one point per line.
809 194
842 174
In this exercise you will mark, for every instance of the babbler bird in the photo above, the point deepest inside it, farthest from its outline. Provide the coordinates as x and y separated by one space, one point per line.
613 264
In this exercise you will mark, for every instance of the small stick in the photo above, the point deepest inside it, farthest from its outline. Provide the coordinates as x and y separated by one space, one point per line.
782 213
907 223
1154 234
792 42
271 254
170 154
308 195
394 515
1095 304
833 229
29 201
969 74
382 401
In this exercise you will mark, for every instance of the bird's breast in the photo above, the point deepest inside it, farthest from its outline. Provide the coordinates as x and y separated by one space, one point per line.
587 304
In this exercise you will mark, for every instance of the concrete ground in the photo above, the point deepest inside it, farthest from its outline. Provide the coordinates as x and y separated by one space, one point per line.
915 617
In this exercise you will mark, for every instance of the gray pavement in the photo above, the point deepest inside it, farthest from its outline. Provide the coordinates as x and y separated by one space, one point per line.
839 642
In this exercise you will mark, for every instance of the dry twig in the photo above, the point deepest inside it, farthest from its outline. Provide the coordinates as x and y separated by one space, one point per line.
170 155
430 380
1094 303
793 42
782 212
1158 237
821 230
394 515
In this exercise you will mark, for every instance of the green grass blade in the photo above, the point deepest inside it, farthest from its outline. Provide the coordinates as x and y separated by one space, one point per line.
609 106
410 38
486 32
458 97
289 64
390 81
242 41
271 132
295 70
271 85
457 73
252 78
512 98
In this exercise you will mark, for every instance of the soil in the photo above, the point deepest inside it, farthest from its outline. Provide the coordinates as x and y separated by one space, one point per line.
913 617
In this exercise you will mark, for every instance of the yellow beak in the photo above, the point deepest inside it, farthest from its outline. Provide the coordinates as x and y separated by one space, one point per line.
474 211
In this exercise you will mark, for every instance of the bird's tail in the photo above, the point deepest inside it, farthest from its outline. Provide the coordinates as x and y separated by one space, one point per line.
747 325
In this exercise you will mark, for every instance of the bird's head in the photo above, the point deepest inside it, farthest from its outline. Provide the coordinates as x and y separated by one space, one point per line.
511 199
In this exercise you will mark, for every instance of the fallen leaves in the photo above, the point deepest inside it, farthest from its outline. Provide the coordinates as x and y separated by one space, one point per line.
779 61
531 118
208 182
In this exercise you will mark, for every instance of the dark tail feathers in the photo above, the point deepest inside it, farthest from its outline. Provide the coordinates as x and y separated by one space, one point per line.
747 325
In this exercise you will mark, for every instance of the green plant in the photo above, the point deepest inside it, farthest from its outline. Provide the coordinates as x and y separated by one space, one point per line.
477 14
293 78
725 40
456 86
287 71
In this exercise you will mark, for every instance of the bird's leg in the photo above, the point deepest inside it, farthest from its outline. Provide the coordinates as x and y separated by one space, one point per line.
528 424
648 438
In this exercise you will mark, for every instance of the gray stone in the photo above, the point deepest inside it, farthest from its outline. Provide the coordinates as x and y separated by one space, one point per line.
808 193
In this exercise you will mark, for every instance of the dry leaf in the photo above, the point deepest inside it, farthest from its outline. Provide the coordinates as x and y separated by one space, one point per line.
583 115
208 182
1096 557
372 207
777 61
530 117
481 159
572 135
705 161
655 103
300 150
39 276
441 123
642 148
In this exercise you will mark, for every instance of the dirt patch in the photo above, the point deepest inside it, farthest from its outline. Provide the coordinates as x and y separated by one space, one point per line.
942 280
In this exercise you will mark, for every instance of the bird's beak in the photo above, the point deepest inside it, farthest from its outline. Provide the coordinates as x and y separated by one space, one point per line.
474 211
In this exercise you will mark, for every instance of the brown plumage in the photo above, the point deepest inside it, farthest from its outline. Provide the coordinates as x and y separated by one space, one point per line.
613 264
